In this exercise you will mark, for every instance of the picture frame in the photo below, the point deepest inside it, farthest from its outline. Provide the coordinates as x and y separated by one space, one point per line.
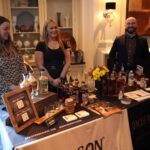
21 110
140 9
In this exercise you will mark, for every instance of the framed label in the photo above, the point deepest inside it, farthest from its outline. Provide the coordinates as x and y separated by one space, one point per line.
20 108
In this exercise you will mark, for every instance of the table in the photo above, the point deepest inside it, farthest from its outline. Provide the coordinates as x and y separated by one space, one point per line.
89 133
92 132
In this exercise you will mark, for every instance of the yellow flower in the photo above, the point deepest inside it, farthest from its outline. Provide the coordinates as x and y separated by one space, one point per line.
102 73
105 68
99 72
97 69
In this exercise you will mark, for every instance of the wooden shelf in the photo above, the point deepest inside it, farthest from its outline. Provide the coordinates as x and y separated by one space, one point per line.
140 11
26 33
29 48
24 7
65 27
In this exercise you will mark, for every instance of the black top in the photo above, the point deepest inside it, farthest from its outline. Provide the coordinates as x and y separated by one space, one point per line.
119 54
54 59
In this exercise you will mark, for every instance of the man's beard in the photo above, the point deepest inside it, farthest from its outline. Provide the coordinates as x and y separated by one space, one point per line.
131 30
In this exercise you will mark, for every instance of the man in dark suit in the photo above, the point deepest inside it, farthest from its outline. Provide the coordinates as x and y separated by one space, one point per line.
130 50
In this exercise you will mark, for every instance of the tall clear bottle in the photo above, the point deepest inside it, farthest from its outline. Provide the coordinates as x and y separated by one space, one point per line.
43 83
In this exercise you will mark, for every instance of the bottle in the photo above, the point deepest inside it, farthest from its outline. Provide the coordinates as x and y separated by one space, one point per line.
43 83
60 92
76 90
72 57
33 83
25 82
112 82
120 95
143 83
123 73
131 78
83 93
120 83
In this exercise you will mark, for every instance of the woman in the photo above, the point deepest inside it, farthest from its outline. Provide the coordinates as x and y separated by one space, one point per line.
11 63
52 55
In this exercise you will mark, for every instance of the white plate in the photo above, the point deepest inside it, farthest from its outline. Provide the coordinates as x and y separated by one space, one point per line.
70 117
82 113
25 19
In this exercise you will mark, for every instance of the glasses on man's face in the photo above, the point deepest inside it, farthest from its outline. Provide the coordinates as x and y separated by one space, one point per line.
54 27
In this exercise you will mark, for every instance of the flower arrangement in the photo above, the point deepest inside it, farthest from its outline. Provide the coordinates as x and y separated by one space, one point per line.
98 72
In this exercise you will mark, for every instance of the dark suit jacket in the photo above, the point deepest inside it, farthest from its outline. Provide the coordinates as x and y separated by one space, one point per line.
118 54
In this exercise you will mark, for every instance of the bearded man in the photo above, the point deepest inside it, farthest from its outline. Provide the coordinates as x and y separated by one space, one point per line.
130 49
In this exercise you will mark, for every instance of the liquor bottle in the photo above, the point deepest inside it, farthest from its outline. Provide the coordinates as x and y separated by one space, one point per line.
43 83
138 73
131 78
25 82
60 92
120 84
123 73
76 91
121 80
33 83
83 93
120 95
143 83
112 82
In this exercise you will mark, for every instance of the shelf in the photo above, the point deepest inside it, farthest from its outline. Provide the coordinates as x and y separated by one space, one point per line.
26 33
24 7
30 48
140 11
65 27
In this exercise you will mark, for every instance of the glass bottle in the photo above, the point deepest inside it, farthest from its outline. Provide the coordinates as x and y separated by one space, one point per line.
60 92
143 83
123 74
112 82
33 83
120 83
131 78
25 82
76 91
43 83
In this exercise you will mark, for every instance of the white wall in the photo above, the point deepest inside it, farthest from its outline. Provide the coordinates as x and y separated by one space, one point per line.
96 34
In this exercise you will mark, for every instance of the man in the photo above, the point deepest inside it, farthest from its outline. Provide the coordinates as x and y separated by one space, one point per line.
130 50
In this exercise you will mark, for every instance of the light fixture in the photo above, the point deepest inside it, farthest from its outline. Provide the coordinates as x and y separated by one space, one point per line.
109 11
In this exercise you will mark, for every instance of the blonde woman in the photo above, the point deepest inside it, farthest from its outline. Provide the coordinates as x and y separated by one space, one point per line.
11 63
52 55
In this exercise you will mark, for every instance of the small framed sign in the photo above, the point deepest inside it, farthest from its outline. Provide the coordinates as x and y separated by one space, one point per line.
21 110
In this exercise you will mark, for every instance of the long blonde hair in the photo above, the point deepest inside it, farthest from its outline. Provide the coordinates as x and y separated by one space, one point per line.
45 33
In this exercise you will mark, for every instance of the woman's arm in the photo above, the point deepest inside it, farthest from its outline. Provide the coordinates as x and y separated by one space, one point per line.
67 63
39 59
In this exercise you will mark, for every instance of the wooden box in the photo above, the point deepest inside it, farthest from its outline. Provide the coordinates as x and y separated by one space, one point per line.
44 100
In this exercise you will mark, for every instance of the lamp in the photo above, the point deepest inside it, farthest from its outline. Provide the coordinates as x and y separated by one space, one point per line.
108 13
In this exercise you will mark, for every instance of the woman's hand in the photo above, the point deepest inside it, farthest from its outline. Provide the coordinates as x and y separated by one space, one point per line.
56 82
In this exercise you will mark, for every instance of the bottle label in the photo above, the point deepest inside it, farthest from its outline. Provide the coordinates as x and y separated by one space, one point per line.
43 86
130 82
